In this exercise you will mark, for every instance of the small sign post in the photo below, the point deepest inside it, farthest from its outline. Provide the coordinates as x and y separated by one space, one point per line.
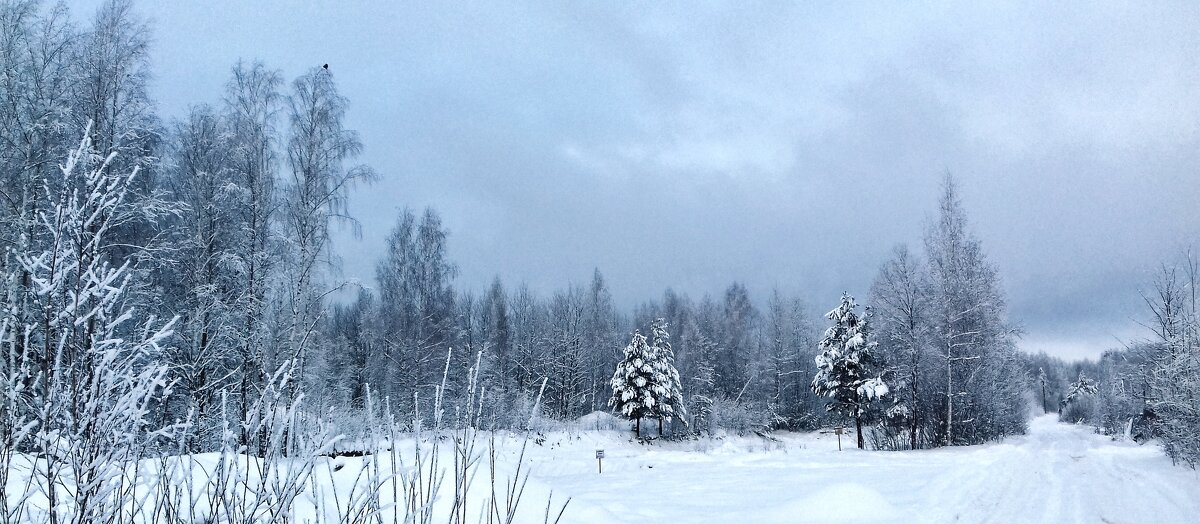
600 461
838 430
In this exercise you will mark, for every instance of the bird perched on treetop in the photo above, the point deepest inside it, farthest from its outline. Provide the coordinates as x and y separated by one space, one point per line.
326 67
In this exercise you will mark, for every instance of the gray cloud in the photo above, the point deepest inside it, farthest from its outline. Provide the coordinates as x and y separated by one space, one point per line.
689 146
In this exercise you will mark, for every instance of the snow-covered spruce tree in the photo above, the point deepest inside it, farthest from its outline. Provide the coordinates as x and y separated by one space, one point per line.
1083 387
666 377
633 395
846 365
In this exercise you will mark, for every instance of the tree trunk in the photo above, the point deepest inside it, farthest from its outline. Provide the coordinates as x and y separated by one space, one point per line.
914 424
660 426
858 430
949 398
637 427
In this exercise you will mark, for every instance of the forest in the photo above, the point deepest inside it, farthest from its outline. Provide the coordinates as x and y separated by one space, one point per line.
169 287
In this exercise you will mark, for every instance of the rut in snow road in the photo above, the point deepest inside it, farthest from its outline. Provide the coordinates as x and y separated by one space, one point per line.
1065 473
1056 473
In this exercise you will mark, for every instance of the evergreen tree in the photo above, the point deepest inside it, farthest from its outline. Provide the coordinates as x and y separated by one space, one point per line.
1083 386
634 396
846 363
666 377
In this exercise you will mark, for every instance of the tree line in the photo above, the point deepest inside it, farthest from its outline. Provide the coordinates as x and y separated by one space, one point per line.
1150 387
226 228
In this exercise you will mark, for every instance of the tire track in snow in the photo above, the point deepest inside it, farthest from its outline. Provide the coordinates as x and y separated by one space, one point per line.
1063 473
1056 473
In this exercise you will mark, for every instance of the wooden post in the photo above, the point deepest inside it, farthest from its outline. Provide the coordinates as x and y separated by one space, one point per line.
838 431
599 461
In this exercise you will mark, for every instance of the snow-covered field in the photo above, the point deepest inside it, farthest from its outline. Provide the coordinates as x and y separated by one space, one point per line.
1056 473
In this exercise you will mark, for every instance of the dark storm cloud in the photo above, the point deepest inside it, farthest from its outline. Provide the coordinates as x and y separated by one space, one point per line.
689 146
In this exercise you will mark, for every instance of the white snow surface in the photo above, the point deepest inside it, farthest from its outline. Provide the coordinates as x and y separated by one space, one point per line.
1057 473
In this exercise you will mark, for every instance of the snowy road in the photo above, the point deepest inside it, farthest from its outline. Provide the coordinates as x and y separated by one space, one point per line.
1056 473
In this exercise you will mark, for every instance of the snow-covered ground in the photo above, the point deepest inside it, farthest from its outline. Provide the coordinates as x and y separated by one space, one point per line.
1056 473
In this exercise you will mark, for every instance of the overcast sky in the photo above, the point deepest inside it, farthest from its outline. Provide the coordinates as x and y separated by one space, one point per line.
691 145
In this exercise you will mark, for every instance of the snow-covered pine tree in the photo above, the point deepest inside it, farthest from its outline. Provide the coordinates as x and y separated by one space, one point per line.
634 396
666 378
846 363
1083 386
1079 403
